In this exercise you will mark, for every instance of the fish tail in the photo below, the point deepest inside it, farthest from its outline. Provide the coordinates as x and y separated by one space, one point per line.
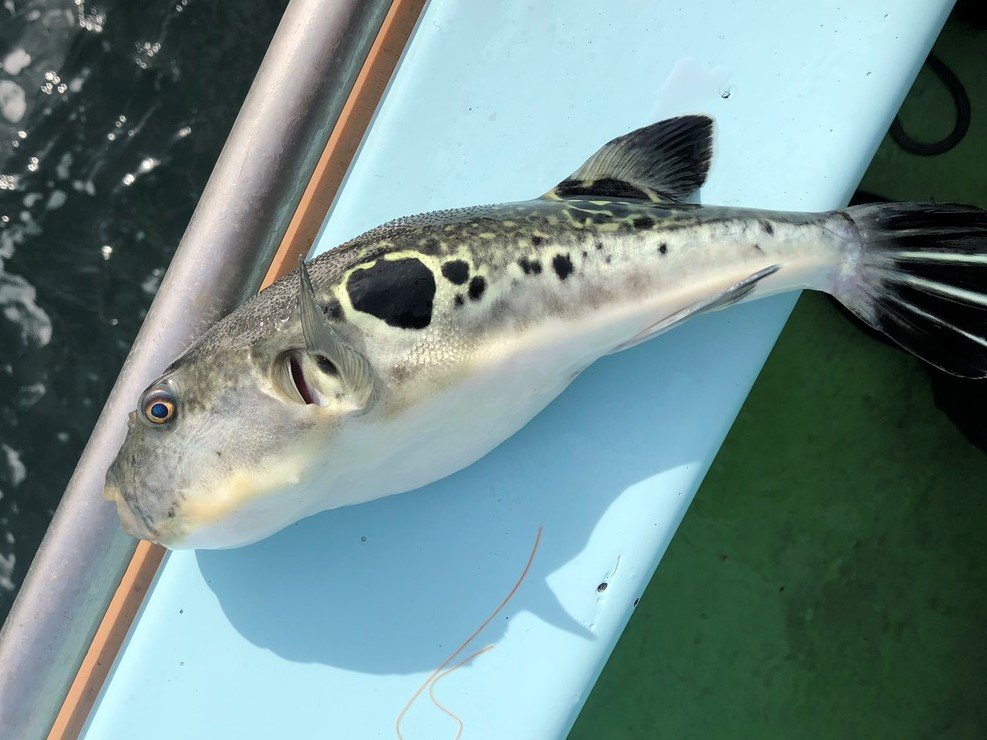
920 277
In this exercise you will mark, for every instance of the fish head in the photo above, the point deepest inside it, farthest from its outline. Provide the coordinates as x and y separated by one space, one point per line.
221 449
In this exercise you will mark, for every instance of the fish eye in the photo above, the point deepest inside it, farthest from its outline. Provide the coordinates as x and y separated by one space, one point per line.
160 406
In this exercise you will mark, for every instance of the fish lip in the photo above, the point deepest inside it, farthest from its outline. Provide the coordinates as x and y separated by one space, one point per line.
111 485
130 521
111 491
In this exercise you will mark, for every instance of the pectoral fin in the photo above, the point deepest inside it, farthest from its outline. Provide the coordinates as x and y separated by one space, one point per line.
321 340
728 297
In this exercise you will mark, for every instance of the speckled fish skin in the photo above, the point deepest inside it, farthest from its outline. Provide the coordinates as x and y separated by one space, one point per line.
469 322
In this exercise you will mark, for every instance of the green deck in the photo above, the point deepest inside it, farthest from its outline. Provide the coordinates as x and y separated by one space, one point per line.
830 578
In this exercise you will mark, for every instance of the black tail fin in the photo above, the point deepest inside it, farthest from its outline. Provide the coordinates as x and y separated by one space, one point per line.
921 278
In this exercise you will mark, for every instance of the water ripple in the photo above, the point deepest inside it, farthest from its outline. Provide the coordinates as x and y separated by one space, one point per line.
111 117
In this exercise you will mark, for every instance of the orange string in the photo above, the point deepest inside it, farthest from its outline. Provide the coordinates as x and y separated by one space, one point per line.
440 705
434 675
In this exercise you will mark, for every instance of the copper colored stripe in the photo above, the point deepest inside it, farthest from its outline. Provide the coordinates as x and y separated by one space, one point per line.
297 242
109 636
346 136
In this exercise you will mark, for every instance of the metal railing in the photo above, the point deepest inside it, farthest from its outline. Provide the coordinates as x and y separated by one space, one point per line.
294 101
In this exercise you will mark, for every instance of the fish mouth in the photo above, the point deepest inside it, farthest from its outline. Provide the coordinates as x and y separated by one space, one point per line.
130 523
129 519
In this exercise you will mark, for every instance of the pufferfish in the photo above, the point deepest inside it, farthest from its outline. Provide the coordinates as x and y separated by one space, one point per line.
413 350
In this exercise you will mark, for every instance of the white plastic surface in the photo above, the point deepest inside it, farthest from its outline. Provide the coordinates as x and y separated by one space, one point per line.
328 629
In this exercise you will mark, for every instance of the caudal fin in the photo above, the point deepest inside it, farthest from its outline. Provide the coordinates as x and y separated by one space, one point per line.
921 278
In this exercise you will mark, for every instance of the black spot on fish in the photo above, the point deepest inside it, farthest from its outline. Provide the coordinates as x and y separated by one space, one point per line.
333 309
458 300
607 187
609 258
757 247
663 249
562 266
326 365
588 215
537 240
768 228
477 286
398 292
583 218
643 222
585 254
599 245
618 209
530 267
456 272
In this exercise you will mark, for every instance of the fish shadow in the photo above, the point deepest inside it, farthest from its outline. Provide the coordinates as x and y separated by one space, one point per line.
394 585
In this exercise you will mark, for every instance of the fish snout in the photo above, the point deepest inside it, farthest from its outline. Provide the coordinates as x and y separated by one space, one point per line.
130 520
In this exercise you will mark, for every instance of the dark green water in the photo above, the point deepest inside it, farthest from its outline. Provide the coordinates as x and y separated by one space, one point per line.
107 136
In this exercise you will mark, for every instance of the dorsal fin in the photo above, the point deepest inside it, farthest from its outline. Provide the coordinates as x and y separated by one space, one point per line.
666 161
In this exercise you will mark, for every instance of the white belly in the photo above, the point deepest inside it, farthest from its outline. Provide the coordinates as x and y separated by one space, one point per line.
445 429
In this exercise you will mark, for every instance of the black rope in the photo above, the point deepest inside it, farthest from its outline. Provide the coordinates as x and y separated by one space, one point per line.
960 99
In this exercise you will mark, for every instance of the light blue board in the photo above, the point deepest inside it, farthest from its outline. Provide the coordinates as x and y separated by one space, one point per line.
328 628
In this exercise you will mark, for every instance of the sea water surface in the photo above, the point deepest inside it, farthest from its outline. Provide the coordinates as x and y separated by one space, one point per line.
112 115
